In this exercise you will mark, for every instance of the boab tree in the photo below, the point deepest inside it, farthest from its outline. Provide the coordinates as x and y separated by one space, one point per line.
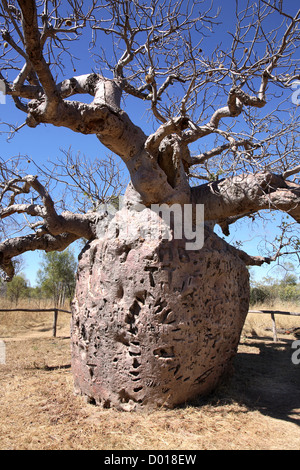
155 323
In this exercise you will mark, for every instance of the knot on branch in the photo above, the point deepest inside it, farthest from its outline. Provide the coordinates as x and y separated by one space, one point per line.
92 82
31 121
181 123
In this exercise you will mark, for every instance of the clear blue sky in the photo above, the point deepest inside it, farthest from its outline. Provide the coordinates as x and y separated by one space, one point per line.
44 143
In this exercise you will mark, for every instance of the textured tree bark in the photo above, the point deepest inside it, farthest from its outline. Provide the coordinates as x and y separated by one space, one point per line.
229 199
155 325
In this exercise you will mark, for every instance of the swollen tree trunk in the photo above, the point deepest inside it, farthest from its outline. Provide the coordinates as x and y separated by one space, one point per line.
154 324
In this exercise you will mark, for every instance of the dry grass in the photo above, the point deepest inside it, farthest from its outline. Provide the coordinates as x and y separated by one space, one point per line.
257 409
34 324
260 325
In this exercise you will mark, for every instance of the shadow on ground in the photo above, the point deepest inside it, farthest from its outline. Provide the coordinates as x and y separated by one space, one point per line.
265 379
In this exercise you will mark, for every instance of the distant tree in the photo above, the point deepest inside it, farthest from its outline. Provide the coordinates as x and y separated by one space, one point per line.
283 288
18 288
13 291
288 289
290 278
3 287
57 276
258 295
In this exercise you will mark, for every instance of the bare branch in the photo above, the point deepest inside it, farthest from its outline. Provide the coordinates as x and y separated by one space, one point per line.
254 260
15 247
52 222
233 96
291 172
175 126
229 199
34 48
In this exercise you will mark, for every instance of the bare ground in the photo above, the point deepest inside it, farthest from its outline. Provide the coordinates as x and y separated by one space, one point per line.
257 408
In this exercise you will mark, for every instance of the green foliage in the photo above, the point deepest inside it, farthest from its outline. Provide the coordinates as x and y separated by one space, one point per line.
258 295
17 289
57 276
286 289
289 293
3 286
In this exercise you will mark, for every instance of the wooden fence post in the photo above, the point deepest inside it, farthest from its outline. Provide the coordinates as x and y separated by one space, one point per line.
274 328
55 322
